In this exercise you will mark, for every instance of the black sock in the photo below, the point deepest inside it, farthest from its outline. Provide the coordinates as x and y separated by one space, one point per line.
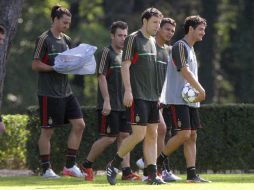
191 172
152 170
145 172
166 165
87 164
116 161
161 159
70 158
126 171
45 162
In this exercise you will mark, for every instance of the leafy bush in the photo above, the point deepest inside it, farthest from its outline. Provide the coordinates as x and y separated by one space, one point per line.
13 142
225 142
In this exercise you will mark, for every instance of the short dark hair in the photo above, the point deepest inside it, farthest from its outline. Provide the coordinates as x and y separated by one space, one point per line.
168 21
193 21
148 13
2 29
58 11
118 24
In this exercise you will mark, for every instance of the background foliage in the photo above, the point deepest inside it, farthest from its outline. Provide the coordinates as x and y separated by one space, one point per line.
225 55
13 142
225 143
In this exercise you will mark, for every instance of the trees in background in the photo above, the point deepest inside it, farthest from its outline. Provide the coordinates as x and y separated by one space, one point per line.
9 14
225 56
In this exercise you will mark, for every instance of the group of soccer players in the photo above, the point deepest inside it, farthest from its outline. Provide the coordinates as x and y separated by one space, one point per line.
139 76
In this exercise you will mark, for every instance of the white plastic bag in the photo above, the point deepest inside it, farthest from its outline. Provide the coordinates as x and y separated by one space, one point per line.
79 60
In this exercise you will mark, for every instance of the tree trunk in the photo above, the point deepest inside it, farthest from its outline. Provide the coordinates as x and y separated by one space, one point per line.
9 13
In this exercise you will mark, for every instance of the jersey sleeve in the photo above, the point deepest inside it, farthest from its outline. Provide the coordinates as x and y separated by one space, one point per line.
103 61
40 50
129 48
180 55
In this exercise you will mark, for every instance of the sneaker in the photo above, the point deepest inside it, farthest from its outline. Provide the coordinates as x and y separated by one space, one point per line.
111 174
73 172
140 163
197 179
132 177
88 172
169 176
155 181
50 174
144 178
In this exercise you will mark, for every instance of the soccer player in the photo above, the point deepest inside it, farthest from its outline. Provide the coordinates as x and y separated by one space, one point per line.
141 95
185 118
2 37
112 120
163 37
56 100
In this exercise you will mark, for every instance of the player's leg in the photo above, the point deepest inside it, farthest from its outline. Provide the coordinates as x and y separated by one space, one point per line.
190 148
150 143
162 129
75 117
124 132
128 144
181 122
108 131
48 119
138 118
166 174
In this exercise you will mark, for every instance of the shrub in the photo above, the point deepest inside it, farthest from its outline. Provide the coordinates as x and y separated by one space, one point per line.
13 142
225 143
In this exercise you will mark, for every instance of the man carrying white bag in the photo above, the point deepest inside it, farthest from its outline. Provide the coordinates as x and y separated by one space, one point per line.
79 60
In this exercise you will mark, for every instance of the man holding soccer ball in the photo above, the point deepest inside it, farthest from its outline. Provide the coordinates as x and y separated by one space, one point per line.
182 69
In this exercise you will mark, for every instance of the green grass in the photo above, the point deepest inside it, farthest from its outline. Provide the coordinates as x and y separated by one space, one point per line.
220 182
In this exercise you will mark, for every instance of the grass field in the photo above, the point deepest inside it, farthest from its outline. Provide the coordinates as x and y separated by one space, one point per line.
220 182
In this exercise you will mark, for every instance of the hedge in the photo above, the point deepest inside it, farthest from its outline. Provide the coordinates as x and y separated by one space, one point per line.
13 142
225 143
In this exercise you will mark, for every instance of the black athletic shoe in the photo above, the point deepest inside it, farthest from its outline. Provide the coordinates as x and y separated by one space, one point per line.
197 179
111 174
155 181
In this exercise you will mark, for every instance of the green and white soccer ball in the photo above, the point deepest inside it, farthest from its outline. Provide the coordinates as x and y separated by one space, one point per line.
189 94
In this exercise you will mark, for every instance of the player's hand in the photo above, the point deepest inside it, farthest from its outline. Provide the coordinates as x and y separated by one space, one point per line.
127 99
201 96
106 107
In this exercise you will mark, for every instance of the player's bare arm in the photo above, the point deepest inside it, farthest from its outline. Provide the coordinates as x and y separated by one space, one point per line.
38 66
125 71
188 76
104 92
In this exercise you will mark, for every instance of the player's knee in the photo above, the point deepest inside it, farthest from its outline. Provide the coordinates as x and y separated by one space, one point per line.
162 130
193 136
123 135
138 137
185 134
79 127
112 140
46 134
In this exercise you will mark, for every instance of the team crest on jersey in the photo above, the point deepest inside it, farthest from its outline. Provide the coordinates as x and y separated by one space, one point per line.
50 121
108 129
137 118
53 49
179 123
118 60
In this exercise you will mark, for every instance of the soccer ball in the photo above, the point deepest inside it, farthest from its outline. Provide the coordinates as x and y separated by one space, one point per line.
189 94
